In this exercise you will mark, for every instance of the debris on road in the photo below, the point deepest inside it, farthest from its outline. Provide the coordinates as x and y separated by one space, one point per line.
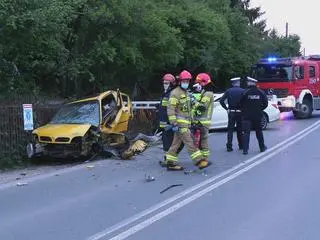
20 184
149 178
203 172
23 174
172 186
90 166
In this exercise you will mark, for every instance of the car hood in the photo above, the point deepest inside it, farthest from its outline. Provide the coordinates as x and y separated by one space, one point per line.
62 130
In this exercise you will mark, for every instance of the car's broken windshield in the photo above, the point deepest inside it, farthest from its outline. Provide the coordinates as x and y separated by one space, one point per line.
78 113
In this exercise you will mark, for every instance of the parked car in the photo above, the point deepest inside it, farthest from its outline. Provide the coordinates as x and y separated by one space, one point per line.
220 115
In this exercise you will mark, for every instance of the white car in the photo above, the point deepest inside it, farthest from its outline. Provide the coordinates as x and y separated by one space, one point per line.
220 115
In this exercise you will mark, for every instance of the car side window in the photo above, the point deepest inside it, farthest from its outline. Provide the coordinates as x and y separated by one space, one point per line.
312 71
125 100
299 72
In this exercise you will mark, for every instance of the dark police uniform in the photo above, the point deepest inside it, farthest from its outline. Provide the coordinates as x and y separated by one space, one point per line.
253 102
167 133
233 96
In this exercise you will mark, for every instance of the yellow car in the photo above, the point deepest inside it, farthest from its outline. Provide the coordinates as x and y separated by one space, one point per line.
85 127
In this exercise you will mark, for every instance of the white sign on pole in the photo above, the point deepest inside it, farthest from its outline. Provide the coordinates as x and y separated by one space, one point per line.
27 117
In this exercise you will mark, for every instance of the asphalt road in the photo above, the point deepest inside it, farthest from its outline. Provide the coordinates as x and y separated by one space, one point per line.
271 195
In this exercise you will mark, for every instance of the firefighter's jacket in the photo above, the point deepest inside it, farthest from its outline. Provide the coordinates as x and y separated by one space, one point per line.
202 109
162 113
179 108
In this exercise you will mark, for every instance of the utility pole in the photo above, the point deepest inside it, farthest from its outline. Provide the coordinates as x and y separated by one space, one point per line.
287 28
304 52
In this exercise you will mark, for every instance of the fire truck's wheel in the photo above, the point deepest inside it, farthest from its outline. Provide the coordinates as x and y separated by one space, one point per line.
264 121
305 110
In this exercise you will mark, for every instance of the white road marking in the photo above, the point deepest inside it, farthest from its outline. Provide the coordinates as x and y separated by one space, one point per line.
184 193
199 194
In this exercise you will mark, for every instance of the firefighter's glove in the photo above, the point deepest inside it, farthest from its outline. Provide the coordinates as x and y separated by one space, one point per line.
192 98
201 108
175 129
167 128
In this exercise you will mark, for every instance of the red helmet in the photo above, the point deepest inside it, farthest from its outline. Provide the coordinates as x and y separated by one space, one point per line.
169 78
203 79
185 75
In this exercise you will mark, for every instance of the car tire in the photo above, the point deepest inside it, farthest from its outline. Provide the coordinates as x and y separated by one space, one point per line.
30 150
264 121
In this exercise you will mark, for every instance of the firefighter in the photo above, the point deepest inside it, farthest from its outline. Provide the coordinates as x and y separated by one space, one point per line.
233 96
179 113
169 83
202 112
253 102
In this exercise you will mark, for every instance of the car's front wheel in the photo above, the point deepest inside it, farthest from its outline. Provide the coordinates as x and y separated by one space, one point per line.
264 121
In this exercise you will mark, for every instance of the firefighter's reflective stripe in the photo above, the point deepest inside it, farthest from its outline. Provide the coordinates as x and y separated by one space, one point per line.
196 155
173 101
163 124
172 118
170 157
205 153
183 121
165 102
205 122
183 130
205 99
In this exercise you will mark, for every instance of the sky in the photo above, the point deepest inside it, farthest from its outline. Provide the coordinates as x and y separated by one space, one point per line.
302 17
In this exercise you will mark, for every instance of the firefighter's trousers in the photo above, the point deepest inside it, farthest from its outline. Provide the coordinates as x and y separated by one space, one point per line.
204 145
183 136
167 138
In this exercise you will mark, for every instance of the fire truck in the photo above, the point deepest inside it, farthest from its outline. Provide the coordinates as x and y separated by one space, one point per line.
295 81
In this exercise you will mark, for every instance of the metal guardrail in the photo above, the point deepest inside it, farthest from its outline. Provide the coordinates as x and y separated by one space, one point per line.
145 104
153 104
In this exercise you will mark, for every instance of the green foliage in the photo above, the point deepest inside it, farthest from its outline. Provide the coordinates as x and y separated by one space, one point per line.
77 47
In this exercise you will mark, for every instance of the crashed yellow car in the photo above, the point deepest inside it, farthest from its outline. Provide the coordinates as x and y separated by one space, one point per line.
86 127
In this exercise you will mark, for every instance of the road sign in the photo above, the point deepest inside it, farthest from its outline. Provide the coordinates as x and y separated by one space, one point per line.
27 117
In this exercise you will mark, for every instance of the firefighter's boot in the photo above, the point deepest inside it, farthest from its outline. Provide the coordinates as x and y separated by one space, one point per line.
203 163
173 166
164 162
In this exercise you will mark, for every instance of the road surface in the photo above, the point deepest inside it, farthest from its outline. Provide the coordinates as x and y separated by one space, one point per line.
272 195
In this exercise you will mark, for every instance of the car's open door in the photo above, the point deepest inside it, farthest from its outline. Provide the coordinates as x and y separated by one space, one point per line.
118 120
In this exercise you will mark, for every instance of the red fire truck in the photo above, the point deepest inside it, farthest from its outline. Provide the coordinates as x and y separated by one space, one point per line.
295 81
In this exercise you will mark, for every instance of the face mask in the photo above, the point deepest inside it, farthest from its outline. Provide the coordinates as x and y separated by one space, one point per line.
166 86
184 85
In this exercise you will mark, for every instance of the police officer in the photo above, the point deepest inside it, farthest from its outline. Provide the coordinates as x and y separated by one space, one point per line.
233 96
169 83
253 102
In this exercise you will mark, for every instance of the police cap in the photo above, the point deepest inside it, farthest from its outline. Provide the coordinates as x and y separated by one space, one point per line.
251 81
235 81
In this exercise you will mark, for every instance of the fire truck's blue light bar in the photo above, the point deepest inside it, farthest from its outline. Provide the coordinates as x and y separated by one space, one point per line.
272 59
